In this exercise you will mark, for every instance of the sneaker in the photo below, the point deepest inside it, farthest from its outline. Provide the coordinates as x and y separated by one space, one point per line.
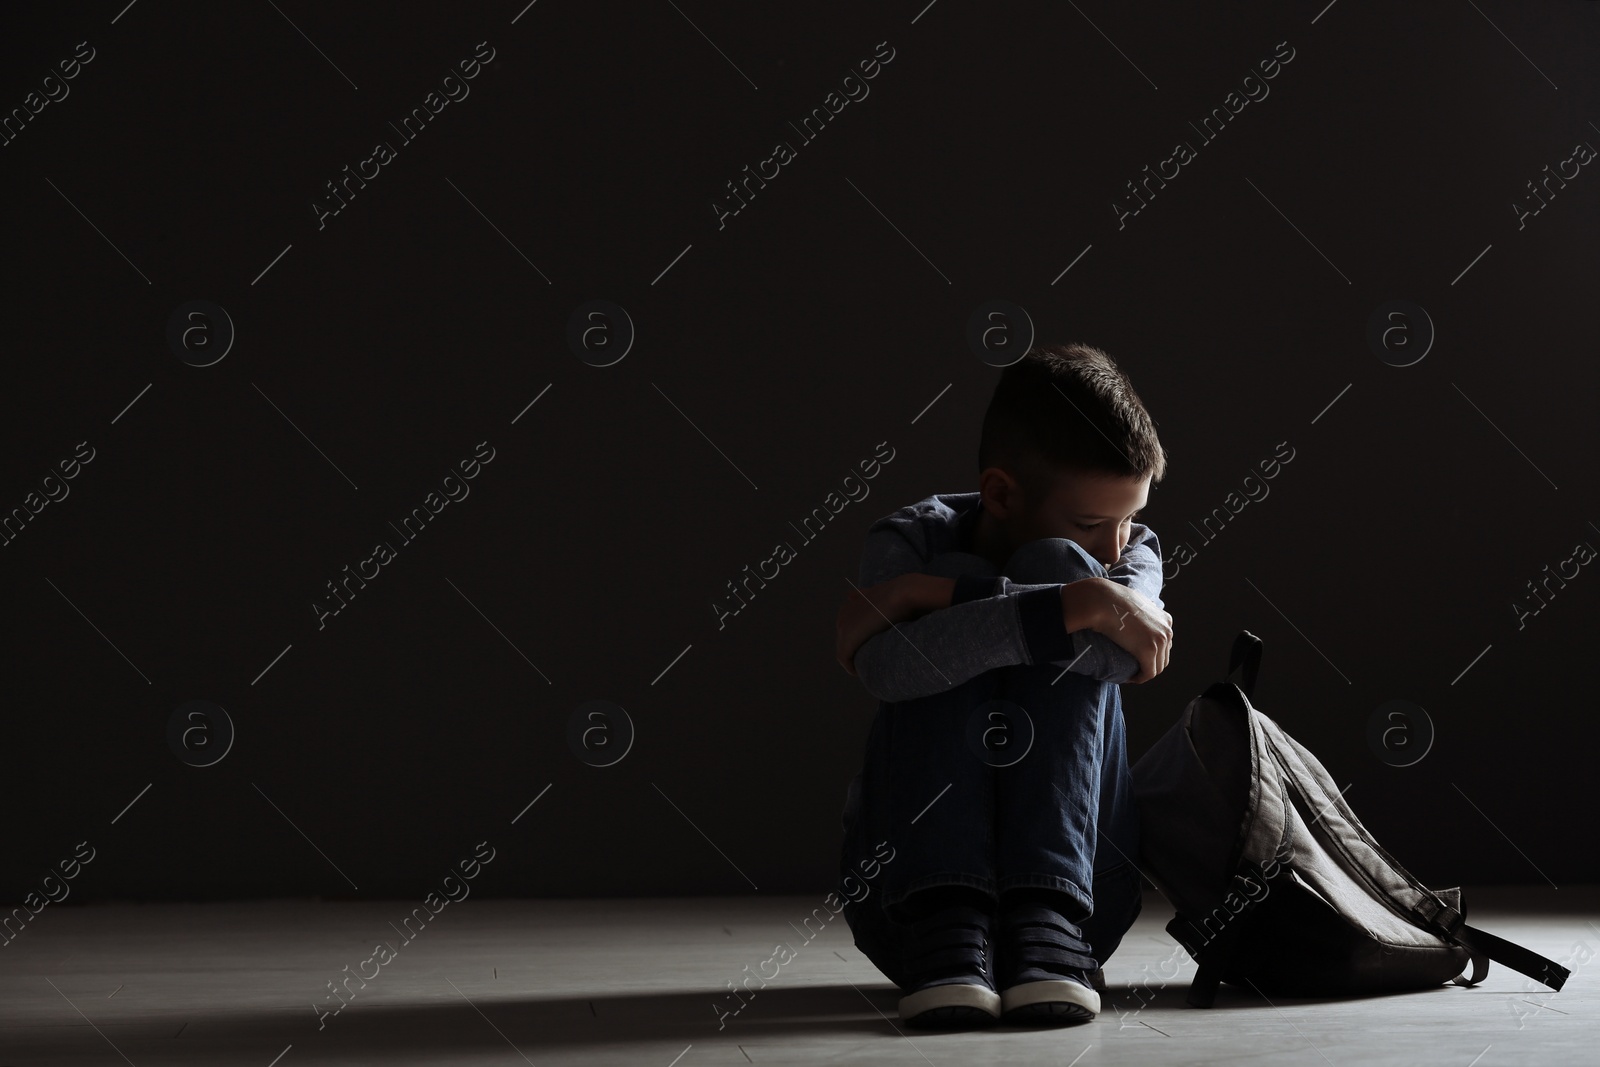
950 970
1046 972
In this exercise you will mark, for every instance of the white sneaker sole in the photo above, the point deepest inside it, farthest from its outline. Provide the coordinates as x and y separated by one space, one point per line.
950 1004
1063 998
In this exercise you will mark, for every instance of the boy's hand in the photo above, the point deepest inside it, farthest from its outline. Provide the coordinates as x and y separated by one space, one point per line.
864 611
1128 617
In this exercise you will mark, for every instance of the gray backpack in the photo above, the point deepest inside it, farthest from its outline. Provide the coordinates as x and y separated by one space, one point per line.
1276 883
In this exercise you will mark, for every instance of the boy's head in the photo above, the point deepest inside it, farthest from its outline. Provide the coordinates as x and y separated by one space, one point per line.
1067 450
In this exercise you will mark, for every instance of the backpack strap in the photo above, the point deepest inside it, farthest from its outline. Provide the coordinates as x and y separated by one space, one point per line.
1268 837
1213 956
1524 961
1451 924
1480 970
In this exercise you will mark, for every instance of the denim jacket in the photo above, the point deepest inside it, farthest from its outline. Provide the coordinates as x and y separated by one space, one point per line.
991 621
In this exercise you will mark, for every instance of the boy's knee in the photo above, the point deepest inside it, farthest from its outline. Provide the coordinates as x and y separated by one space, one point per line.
1052 559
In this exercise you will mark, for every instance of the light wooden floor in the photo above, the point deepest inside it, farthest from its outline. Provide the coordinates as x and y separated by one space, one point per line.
640 981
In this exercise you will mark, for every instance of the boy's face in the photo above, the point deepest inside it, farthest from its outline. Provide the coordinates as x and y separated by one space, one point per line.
1094 510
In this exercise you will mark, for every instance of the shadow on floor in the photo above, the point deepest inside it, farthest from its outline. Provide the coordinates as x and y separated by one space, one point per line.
556 1024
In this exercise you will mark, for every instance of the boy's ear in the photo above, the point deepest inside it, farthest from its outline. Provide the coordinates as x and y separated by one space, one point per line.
1001 494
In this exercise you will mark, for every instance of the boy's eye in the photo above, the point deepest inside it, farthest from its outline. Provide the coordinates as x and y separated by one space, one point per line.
1092 526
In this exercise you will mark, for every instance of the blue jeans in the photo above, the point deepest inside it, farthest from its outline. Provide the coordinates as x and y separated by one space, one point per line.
938 803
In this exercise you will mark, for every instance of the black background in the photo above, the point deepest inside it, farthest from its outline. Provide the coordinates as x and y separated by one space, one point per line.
770 359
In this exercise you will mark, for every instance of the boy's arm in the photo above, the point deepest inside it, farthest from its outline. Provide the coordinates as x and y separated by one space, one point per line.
993 622
977 632
1139 569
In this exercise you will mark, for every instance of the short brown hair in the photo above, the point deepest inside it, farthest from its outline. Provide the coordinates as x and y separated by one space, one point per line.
1068 408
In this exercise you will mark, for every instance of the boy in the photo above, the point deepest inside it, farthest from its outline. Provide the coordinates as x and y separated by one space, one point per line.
994 627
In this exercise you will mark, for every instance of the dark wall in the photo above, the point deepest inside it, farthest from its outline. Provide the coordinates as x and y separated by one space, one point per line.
378 350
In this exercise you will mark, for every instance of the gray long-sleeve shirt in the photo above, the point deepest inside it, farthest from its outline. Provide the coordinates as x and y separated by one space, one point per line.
991 621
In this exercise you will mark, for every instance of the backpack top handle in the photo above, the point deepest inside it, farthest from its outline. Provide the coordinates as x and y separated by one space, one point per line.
1245 662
